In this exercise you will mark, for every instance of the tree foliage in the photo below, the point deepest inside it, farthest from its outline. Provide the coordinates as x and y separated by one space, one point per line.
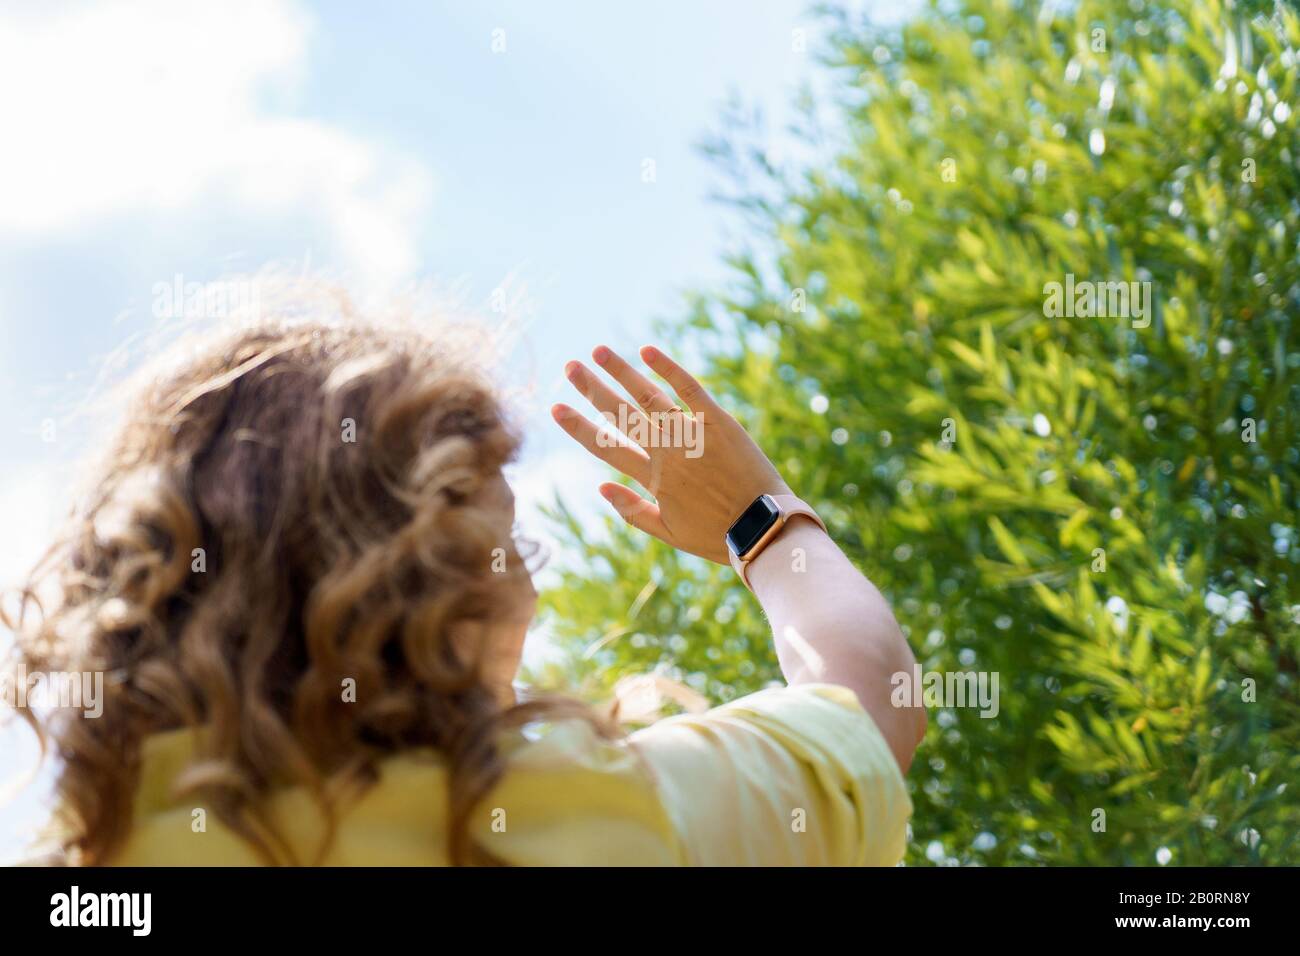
1101 511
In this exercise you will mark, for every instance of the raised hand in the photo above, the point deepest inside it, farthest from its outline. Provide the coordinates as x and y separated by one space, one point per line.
697 462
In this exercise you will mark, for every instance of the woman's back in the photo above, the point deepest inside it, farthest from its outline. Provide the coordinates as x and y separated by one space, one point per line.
784 777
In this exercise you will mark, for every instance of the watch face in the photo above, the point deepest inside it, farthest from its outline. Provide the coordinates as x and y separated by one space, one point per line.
750 527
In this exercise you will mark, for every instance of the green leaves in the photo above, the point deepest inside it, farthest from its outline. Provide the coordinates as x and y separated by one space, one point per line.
1067 501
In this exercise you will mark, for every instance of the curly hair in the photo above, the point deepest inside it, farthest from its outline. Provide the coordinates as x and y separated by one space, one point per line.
298 505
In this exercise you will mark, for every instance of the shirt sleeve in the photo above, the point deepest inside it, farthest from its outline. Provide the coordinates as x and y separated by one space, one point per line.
791 776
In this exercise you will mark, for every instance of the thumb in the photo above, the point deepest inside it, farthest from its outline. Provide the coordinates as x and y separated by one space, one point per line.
635 510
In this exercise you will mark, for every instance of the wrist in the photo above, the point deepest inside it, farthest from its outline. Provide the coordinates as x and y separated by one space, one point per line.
758 526
792 527
786 556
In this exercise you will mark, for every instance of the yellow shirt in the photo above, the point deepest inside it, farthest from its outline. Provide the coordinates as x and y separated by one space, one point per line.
787 776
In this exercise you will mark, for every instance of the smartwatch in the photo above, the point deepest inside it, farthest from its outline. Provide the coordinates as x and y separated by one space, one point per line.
759 524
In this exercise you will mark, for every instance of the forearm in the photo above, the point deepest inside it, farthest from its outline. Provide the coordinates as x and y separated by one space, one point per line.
832 625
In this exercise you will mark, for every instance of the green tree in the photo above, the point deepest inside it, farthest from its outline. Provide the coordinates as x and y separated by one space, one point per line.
1101 509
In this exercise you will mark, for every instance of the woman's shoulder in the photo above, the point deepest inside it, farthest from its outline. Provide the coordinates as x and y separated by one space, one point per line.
787 775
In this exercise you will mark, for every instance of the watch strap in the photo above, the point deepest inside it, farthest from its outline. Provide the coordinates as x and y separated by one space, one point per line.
787 507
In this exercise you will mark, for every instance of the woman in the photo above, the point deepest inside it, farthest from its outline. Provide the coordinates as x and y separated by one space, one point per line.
297 576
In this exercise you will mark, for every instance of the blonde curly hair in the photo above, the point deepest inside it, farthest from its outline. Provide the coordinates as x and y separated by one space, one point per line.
239 558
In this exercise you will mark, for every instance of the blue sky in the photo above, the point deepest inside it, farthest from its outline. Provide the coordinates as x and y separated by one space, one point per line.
386 144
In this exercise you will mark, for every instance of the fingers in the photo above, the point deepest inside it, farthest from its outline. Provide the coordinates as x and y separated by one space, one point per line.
683 382
635 510
645 392
607 401
613 449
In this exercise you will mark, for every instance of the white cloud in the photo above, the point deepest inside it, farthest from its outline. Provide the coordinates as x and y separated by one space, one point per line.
155 107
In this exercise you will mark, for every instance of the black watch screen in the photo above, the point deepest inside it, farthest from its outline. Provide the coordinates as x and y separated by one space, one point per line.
747 530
